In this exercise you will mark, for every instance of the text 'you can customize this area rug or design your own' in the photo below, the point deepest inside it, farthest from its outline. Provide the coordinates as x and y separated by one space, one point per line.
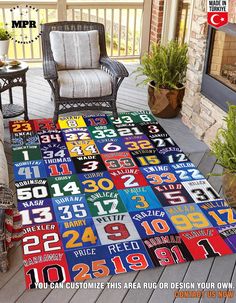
100 196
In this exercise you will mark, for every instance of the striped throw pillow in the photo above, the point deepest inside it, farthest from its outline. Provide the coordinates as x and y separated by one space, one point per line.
75 50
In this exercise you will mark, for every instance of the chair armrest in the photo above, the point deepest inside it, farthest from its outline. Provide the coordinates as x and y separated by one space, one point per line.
115 67
49 69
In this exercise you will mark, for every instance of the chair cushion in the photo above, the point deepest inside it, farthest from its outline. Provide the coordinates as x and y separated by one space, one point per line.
75 50
84 83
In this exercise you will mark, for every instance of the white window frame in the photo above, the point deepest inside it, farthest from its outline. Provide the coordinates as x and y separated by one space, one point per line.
170 20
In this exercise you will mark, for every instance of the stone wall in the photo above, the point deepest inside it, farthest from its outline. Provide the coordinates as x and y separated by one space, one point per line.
201 115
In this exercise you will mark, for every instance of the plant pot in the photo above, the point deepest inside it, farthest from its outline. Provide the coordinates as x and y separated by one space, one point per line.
165 103
229 188
4 45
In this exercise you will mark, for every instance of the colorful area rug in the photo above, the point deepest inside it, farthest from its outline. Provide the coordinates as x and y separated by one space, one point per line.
100 197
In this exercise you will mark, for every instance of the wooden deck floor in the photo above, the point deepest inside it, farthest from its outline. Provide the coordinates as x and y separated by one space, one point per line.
221 269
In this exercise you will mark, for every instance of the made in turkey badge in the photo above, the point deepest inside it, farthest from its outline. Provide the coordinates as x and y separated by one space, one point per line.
217 12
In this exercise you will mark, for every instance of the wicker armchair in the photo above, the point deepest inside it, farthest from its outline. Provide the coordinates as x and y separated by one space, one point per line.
115 69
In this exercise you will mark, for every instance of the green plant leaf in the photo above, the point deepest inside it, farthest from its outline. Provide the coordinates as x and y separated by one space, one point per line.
4 35
224 145
165 65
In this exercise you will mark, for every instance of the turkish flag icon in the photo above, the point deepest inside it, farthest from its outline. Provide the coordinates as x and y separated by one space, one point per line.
217 19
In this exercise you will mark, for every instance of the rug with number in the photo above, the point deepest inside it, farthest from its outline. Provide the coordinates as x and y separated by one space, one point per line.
100 196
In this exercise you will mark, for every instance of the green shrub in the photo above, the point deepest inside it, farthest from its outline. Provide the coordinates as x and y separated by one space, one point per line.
3 34
224 145
165 65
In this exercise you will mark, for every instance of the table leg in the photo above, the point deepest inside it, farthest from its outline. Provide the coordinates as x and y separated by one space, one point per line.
10 95
0 102
25 103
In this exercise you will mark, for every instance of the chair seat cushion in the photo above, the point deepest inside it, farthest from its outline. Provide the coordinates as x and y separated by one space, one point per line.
86 83
75 50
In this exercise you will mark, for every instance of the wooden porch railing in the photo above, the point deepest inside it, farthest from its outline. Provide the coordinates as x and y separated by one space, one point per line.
124 23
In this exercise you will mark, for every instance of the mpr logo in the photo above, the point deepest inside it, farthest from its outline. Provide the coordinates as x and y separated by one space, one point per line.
23 25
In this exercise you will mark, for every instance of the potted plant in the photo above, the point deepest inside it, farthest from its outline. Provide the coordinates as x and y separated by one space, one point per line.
224 149
165 70
4 42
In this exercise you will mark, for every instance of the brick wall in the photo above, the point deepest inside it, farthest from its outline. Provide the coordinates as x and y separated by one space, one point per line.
156 21
217 54
229 54
232 11
223 52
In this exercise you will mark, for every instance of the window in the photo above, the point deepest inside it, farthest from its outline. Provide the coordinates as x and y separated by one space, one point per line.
219 77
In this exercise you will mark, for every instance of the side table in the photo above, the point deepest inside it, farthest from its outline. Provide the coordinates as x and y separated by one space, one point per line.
10 77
